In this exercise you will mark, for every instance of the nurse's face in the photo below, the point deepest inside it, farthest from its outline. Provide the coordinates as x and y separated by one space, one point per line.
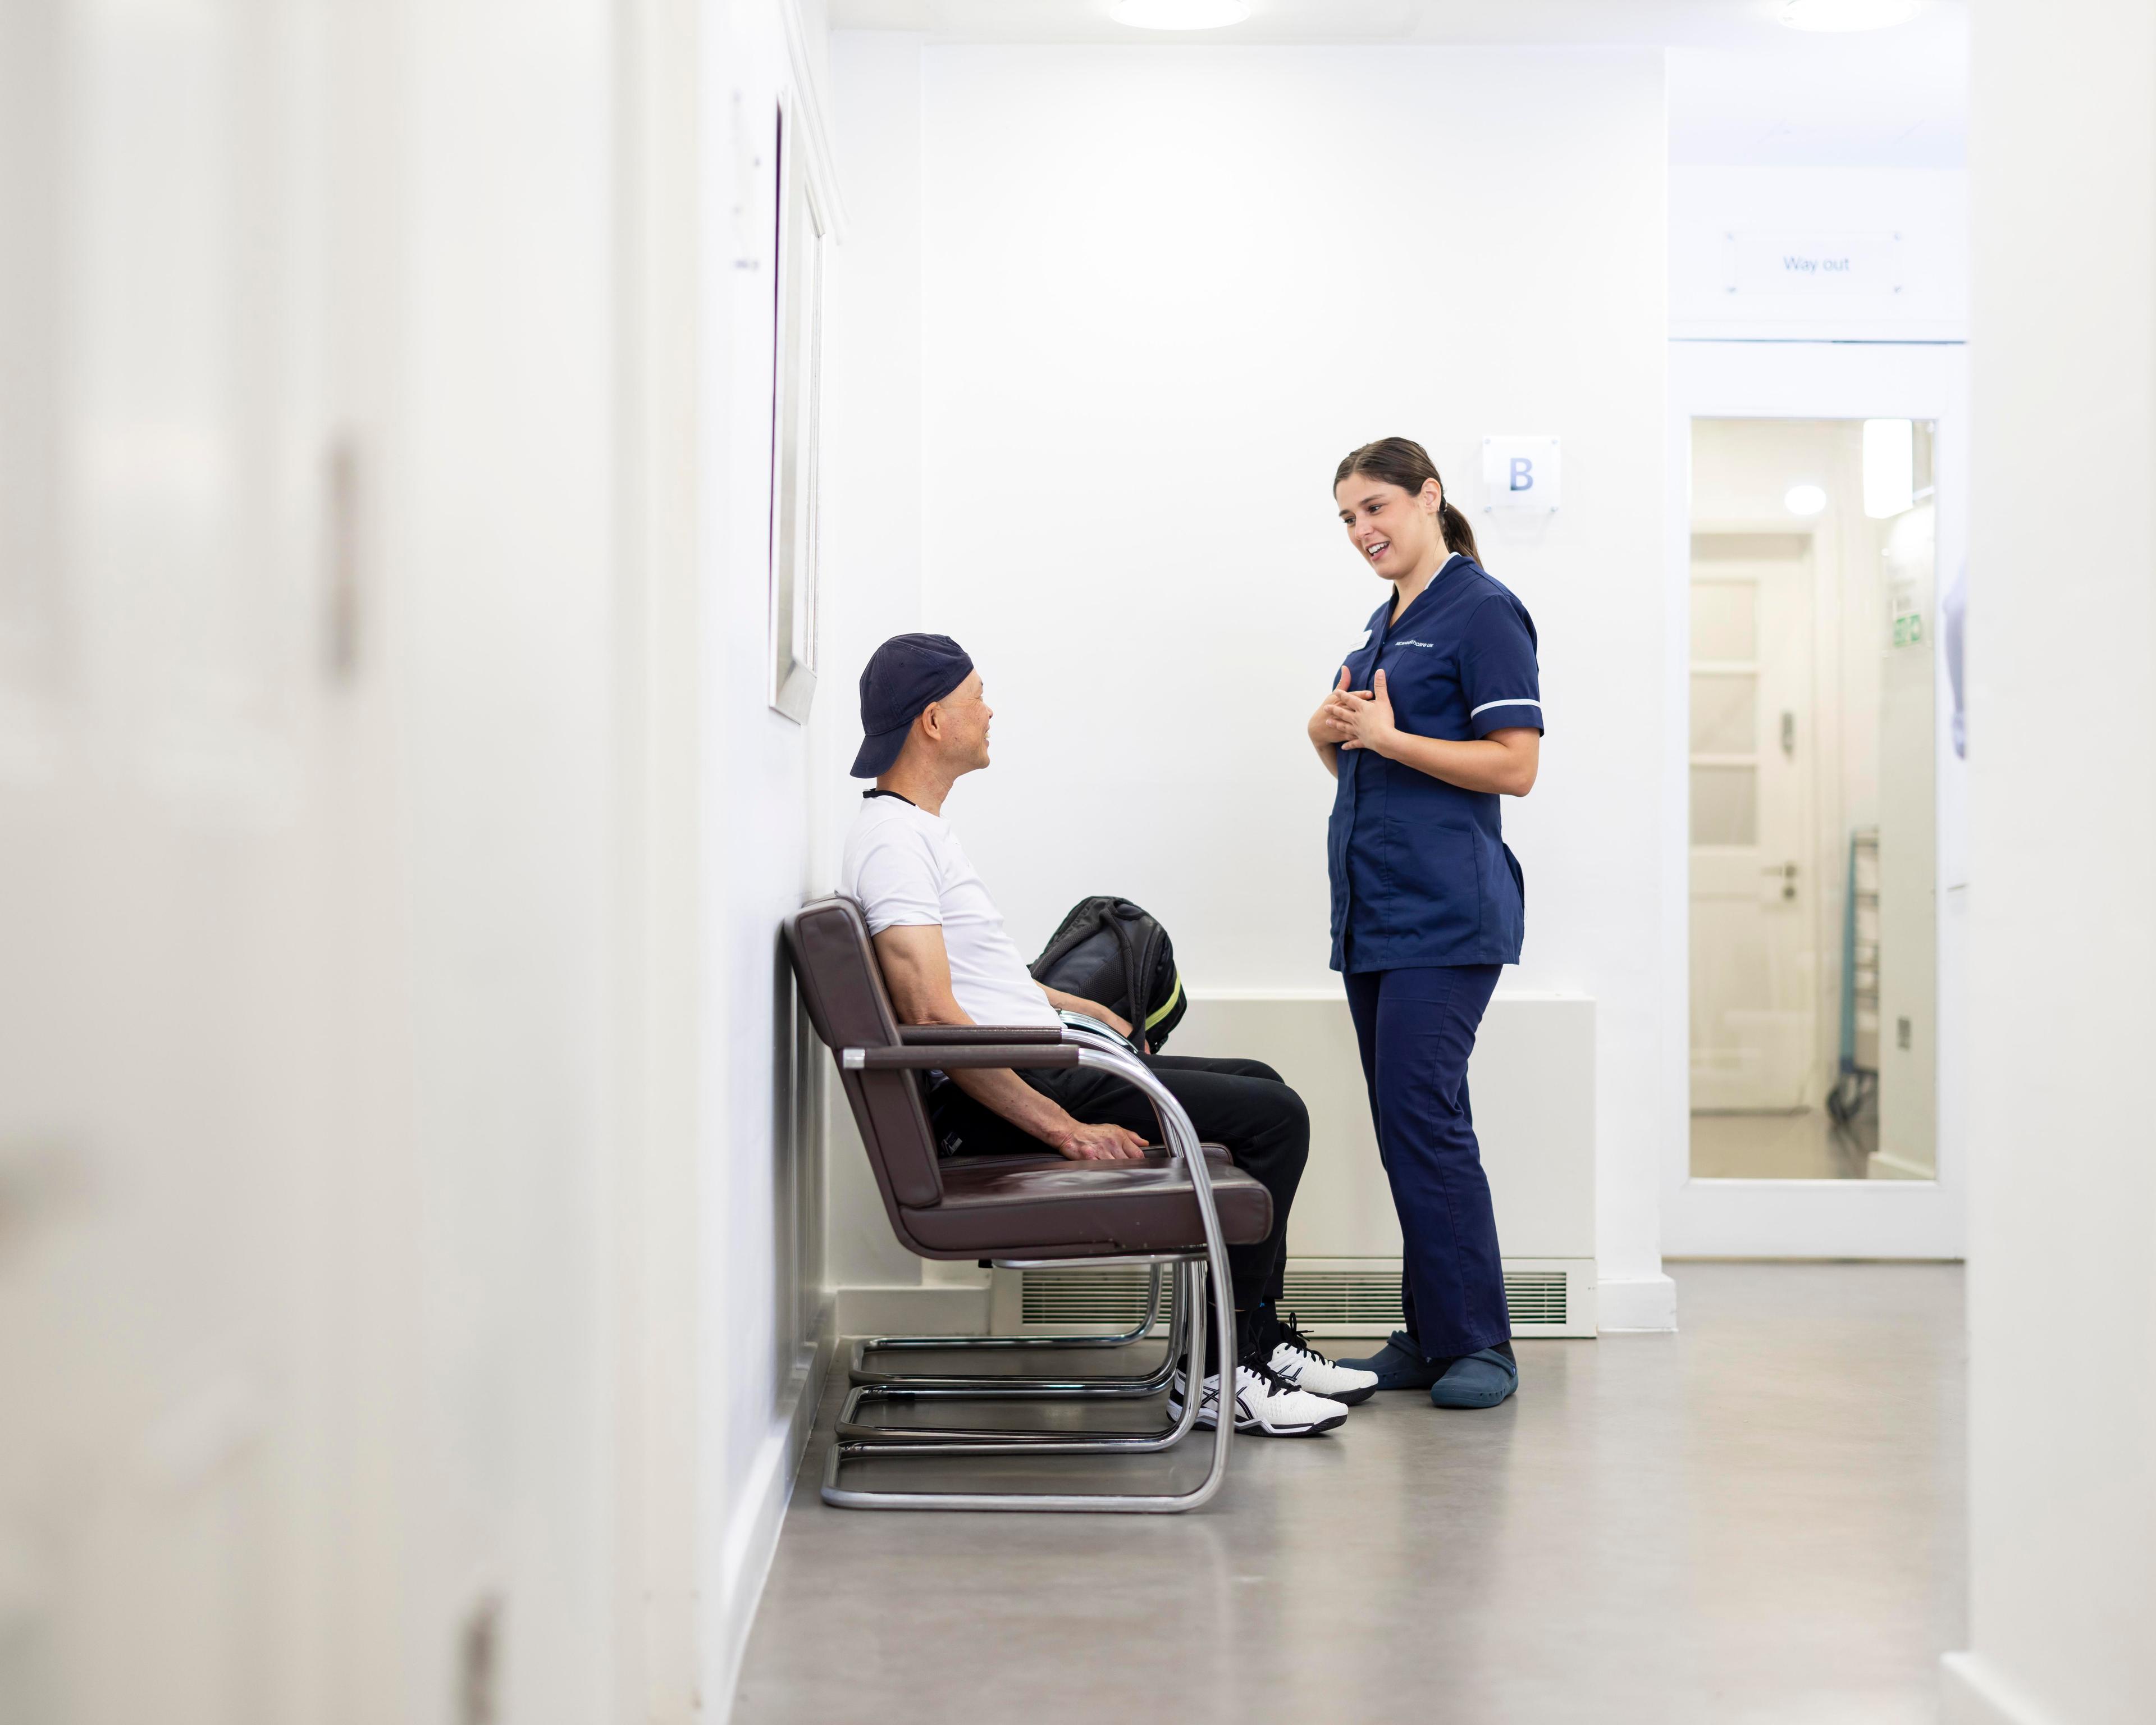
1392 530
961 725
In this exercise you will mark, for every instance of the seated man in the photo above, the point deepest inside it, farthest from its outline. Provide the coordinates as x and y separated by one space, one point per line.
946 961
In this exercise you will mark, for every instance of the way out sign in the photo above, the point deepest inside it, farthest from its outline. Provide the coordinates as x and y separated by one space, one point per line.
1521 473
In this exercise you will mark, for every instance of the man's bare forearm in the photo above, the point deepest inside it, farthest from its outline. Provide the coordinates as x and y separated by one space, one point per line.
1009 1096
1091 1008
917 970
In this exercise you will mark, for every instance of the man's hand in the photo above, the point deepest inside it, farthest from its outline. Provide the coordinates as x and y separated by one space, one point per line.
1098 1143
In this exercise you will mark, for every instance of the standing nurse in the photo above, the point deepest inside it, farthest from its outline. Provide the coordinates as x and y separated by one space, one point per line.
1435 716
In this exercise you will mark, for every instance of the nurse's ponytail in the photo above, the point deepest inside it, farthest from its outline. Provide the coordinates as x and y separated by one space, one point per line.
1400 461
1458 535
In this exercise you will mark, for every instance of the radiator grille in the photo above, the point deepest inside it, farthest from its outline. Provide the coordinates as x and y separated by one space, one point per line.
1106 1299
1536 1296
1368 1300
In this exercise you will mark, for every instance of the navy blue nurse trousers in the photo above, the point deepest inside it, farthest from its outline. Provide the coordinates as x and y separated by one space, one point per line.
1416 1028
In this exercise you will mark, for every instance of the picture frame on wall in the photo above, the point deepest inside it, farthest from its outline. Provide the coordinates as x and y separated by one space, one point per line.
796 395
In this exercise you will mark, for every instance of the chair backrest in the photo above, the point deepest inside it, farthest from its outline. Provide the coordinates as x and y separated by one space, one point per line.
842 987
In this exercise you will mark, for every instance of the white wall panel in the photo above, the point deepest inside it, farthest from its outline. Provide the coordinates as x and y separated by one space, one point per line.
1532 1081
872 516
1157 310
2062 940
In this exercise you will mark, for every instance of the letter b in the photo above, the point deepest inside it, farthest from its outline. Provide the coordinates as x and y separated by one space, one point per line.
1523 474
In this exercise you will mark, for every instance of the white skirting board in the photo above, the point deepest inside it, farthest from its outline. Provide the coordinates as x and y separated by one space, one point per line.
1636 1302
745 1555
915 1311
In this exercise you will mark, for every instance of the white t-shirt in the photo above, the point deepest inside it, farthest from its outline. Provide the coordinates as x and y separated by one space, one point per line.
906 868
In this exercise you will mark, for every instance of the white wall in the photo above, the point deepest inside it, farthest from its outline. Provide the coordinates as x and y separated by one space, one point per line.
757 807
872 477
499 528
2062 1225
1825 99
1153 316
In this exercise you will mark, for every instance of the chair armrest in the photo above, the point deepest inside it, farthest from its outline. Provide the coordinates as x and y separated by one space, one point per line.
971 1035
948 1059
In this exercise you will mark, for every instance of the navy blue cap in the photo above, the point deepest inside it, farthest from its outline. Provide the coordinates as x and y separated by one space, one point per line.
905 675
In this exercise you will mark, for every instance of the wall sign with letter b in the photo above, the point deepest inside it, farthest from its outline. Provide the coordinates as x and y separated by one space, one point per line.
1522 473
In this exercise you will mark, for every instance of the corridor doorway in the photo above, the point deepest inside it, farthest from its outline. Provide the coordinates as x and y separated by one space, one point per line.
1812 837
1818 878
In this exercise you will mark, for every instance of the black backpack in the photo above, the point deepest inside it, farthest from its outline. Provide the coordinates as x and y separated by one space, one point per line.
1110 951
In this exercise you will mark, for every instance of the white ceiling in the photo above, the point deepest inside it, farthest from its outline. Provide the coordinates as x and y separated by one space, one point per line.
1743 89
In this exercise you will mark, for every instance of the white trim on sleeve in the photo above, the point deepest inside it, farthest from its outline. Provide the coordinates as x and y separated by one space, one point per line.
1487 704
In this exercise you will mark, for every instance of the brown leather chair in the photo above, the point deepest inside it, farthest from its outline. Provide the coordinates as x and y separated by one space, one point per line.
1177 1210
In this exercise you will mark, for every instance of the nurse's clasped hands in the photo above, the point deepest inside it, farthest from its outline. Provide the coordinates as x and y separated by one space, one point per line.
1356 718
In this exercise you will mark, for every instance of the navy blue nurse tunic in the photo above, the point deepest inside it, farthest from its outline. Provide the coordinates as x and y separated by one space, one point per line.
1428 903
1421 874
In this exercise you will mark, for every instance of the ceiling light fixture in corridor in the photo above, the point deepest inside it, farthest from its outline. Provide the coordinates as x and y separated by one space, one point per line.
1847 15
1179 14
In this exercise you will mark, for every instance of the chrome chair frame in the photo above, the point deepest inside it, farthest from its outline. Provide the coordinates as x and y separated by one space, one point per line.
1149 1384
1013 1388
854 1440
902 1383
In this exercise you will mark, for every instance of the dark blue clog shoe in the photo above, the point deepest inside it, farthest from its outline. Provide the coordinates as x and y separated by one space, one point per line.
1398 1364
1476 1380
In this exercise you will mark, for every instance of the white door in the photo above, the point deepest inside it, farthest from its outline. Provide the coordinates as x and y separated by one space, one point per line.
1754 972
321 1332
164 802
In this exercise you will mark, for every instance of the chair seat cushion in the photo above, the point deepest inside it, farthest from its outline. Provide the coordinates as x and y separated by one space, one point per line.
1009 1207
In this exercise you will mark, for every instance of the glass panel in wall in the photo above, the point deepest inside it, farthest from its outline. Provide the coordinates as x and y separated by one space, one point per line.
1725 805
1725 713
1812 908
1724 621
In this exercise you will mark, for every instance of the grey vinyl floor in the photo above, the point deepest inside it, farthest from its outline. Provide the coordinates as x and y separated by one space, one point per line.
1758 1519
1802 1146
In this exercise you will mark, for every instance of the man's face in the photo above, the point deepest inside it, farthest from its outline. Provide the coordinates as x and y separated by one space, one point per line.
959 724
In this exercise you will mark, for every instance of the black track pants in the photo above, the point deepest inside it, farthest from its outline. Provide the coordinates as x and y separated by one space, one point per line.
1241 1104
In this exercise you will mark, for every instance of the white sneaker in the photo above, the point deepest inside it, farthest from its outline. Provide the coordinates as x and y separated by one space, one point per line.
1262 1403
1296 1362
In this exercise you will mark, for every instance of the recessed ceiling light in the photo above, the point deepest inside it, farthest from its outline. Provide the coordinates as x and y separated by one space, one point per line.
1179 14
1847 15
1804 499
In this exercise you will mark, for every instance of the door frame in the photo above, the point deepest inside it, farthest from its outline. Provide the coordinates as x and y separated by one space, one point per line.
1814 1218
